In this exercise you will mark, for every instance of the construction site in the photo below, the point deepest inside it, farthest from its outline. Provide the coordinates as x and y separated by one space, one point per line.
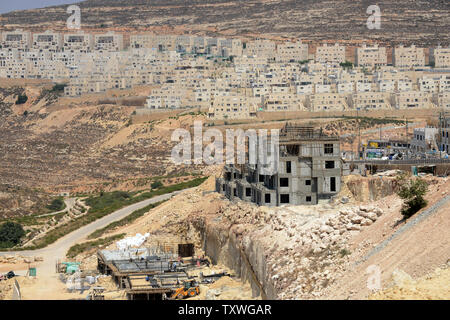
153 273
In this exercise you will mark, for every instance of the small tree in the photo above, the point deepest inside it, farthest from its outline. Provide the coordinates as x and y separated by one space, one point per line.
21 99
412 192
157 184
10 234
56 205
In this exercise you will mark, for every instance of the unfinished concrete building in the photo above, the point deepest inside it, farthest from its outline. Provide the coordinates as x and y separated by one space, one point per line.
309 170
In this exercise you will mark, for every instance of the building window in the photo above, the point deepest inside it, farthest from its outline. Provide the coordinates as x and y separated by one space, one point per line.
261 178
223 187
329 164
284 182
267 198
333 184
329 148
308 198
284 198
288 167
248 192
307 182
235 192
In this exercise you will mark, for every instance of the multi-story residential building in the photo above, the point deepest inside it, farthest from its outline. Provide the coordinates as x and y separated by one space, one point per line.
444 83
370 101
345 87
408 57
308 170
17 39
444 139
327 102
330 54
81 42
371 56
412 99
323 88
261 48
292 51
424 139
404 85
170 97
305 88
442 100
363 86
440 57
109 41
386 86
429 84
147 40
49 40
233 106
284 102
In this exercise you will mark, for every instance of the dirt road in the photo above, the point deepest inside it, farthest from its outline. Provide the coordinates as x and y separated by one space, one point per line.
47 284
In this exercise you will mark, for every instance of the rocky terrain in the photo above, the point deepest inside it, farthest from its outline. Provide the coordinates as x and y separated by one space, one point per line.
308 252
405 21
79 145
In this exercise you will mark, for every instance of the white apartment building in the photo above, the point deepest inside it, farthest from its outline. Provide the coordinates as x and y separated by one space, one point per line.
442 100
345 87
284 102
109 41
371 56
17 39
233 106
292 51
81 42
260 48
363 86
424 139
371 101
322 88
386 86
440 56
429 84
444 83
444 138
412 99
330 54
49 40
404 85
305 89
327 102
170 97
408 57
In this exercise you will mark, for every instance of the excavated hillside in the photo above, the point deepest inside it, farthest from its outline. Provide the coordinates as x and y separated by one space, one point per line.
309 252
404 21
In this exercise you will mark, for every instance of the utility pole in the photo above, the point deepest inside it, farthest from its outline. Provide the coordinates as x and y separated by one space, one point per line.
440 134
359 134
406 136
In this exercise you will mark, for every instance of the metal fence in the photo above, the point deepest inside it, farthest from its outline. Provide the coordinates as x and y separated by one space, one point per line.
412 161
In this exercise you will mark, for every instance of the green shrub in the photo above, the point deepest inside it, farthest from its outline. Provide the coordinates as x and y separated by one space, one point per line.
346 64
103 205
412 192
10 234
21 99
157 184
127 220
56 205
59 88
